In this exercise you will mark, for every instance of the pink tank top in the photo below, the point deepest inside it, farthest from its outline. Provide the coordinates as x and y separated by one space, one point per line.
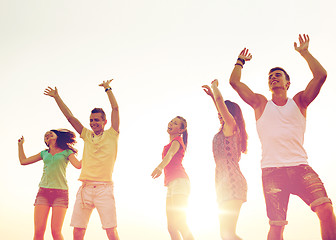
281 131
174 169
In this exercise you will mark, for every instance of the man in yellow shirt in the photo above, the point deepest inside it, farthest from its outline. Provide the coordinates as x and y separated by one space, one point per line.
99 156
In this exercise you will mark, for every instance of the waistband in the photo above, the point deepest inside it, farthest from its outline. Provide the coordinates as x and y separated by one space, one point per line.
94 183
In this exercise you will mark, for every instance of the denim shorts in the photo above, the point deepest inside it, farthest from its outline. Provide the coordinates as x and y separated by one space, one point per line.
280 182
52 197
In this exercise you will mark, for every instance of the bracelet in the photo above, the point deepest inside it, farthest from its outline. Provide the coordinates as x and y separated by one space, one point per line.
238 64
107 89
242 60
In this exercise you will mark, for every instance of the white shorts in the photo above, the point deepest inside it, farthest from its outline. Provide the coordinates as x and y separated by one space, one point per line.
94 195
179 186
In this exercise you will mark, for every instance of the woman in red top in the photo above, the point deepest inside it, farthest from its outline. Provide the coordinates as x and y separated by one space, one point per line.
176 179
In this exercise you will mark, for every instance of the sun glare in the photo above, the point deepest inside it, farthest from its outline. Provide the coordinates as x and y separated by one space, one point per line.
202 211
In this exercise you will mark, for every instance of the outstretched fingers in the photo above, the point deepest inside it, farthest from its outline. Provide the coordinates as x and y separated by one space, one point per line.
303 43
106 83
49 91
244 54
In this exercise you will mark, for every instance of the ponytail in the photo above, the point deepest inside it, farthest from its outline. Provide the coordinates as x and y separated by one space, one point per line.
185 132
185 138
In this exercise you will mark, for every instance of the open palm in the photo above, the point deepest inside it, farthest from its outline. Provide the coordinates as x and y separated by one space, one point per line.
304 43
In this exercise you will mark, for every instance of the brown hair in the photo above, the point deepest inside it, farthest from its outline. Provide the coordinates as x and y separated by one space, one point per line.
281 69
65 139
237 114
185 132
101 111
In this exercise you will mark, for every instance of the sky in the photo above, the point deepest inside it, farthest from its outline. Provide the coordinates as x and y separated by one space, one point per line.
159 54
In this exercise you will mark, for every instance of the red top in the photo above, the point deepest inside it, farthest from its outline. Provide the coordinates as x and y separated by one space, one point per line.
174 169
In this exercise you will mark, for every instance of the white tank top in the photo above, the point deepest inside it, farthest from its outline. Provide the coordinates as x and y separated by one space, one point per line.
281 131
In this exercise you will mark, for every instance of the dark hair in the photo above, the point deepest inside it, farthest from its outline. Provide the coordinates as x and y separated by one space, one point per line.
65 139
185 132
237 114
281 69
101 111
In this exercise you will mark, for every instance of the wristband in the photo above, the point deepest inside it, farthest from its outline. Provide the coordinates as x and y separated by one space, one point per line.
107 89
238 64
242 60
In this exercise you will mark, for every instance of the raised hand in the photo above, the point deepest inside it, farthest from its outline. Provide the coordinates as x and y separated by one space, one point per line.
245 55
51 92
304 43
106 84
21 140
214 83
207 90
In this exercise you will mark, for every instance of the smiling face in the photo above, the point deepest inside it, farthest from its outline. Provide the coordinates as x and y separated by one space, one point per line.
97 123
277 79
49 136
174 126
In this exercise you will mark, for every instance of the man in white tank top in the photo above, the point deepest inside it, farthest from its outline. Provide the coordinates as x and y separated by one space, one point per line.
281 124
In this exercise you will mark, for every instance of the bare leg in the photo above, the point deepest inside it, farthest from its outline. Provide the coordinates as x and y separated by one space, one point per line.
275 232
41 213
228 218
326 215
172 225
176 218
112 233
78 233
57 219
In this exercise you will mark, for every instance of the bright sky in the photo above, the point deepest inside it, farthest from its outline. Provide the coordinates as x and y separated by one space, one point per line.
160 53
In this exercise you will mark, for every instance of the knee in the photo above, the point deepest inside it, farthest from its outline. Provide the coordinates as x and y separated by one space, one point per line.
39 233
325 211
56 233
172 227
78 233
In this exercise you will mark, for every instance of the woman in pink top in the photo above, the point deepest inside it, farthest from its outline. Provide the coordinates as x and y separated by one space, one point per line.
176 179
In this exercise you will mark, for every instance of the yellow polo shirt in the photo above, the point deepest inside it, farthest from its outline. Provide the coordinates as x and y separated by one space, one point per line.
99 155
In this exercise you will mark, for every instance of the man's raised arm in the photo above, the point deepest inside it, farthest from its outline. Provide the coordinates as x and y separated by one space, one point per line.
319 73
114 105
65 110
242 89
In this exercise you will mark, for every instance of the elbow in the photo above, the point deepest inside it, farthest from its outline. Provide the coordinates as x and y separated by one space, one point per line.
324 76
22 163
115 108
233 84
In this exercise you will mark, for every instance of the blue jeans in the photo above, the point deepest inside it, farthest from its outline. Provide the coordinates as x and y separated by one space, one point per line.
280 182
